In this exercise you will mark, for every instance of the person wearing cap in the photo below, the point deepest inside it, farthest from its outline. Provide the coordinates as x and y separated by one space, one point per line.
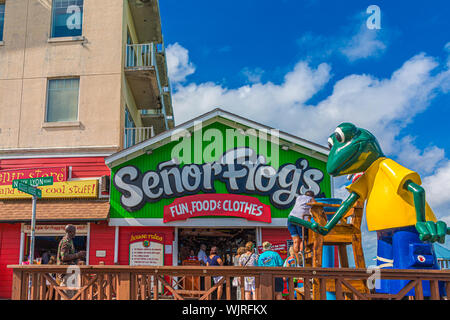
271 258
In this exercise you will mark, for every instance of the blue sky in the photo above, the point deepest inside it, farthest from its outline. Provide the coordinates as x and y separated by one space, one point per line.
317 63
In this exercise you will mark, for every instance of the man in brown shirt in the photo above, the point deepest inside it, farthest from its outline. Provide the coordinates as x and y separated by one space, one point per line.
66 249
67 256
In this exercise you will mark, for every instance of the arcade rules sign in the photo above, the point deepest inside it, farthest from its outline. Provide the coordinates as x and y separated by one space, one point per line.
146 249
227 205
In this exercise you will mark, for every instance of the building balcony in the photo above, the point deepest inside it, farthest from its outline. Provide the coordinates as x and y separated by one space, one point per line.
133 136
146 73
147 20
141 72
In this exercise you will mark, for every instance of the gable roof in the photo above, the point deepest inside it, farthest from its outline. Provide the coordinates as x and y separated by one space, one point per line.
316 150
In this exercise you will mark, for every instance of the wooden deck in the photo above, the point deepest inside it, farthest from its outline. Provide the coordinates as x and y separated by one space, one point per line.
153 283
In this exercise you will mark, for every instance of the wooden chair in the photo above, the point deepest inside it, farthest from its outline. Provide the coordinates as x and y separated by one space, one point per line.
346 232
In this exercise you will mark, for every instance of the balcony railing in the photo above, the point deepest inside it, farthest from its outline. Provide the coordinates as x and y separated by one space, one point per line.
134 136
37 282
143 56
140 55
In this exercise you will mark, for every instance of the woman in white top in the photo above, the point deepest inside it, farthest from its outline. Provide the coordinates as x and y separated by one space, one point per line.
249 259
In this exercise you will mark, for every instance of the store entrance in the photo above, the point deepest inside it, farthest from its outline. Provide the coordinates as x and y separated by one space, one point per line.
46 247
226 240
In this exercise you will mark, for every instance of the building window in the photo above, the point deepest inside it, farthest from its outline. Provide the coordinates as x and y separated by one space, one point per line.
130 133
2 19
67 18
62 100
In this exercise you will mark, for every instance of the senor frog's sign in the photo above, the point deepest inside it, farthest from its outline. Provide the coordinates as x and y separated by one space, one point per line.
237 177
235 169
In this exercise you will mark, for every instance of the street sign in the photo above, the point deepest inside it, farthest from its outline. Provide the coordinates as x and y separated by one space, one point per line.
34 182
29 189
29 186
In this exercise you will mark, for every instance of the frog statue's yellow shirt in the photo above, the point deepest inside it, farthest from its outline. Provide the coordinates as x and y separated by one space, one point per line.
388 205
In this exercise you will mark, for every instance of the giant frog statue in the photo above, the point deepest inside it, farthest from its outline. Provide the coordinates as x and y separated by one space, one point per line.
395 202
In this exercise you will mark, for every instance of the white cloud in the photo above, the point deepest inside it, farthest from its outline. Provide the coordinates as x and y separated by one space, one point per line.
253 75
437 191
364 44
354 45
424 161
262 102
178 63
383 106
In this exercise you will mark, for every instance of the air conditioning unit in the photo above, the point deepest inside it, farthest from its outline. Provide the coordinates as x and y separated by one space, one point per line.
104 184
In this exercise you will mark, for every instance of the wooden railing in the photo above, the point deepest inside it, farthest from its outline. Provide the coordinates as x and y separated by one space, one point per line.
152 283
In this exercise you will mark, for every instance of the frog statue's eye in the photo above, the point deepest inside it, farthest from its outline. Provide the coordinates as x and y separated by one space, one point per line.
345 132
339 134
330 143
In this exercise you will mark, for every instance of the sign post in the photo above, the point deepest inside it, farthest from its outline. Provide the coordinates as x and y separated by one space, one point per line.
29 186
33 230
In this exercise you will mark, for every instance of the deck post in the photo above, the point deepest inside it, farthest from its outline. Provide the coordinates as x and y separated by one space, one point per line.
17 284
265 286
124 286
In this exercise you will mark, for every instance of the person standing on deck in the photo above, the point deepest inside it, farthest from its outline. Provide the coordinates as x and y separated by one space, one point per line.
67 256
202 254
271 258
301 210
214 261
249 259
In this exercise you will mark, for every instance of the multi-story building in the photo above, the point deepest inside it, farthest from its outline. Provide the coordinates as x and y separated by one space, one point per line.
79 81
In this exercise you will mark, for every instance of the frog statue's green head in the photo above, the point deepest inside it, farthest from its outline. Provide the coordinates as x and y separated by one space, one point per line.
353 150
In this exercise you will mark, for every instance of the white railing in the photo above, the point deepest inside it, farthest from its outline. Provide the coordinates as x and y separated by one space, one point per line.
140 55
144 55
137 135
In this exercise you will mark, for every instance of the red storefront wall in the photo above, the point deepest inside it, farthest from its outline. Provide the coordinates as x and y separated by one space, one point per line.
101 239
9 254
82 167
275 234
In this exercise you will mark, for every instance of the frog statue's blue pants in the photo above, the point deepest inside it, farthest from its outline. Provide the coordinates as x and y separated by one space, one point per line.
401 248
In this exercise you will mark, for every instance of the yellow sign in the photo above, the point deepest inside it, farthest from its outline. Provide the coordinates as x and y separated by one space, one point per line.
68 189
